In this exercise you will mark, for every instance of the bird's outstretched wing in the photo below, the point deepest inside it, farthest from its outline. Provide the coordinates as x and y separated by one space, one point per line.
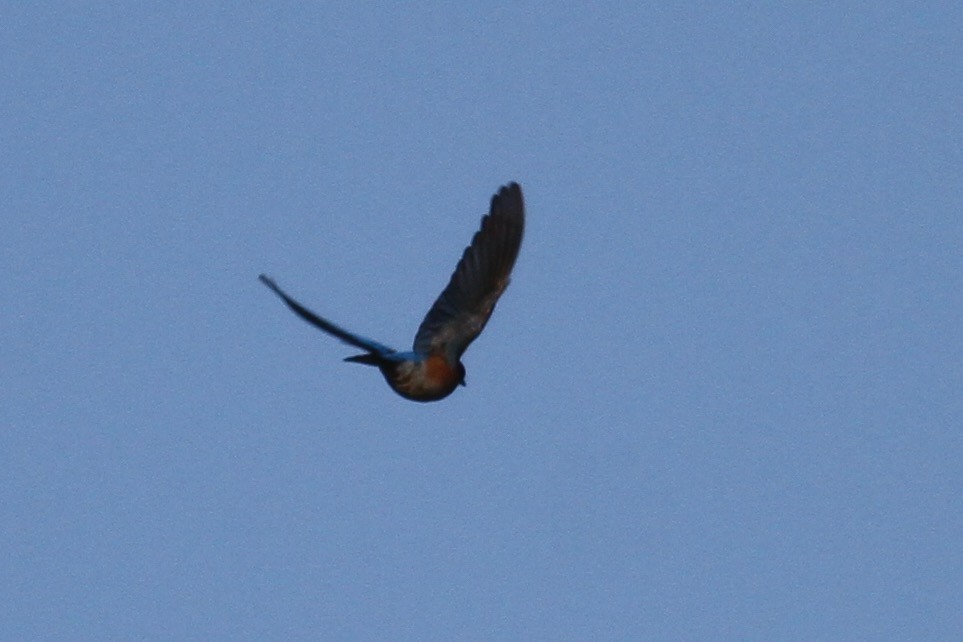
324 324
463 308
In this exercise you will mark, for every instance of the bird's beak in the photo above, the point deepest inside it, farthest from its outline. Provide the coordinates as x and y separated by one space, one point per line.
462 383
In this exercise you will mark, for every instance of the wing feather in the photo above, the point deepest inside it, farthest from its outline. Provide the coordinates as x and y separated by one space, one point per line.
463 308
321 323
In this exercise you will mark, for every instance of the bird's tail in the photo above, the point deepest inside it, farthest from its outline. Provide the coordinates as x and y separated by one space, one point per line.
368 359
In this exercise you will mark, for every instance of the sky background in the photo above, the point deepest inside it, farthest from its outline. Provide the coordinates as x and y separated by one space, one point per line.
722 398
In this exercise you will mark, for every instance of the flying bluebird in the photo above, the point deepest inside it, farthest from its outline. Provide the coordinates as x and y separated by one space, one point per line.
433 369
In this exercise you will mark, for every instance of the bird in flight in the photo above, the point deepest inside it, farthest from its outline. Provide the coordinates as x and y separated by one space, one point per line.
433 368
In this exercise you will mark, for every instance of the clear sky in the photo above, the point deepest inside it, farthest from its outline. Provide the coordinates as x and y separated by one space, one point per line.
721 399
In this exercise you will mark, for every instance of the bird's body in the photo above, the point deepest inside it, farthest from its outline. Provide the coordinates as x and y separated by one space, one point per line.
433 369
422 378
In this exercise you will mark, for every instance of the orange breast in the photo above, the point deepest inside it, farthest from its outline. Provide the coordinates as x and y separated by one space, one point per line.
438 373
427 380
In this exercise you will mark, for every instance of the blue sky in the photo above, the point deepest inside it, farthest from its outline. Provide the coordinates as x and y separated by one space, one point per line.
720 400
